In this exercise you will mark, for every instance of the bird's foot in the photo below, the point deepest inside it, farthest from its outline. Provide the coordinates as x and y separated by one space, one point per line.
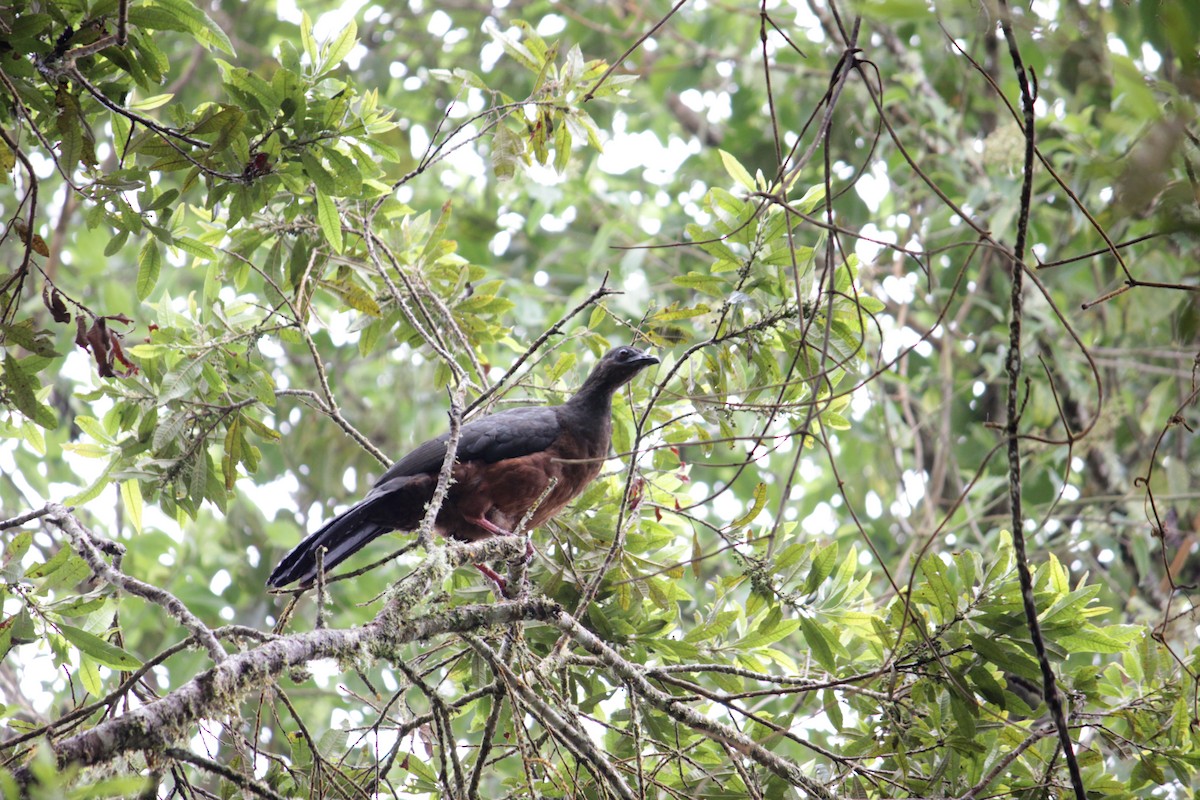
496 578
491 574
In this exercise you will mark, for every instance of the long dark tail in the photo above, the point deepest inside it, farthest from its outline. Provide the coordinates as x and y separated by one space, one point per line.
342 537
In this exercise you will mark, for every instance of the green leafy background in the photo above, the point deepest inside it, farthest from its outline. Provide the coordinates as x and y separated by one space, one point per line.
264 246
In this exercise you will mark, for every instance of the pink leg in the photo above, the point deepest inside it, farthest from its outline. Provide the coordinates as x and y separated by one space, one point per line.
493 528
496 578
489 526
496 530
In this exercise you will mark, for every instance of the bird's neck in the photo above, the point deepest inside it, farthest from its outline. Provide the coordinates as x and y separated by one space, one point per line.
592 400
588 417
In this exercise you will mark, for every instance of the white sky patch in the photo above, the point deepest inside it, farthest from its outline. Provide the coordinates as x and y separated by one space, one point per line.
726 506
715 106
544 175
500 243
873 186
207 741
337 325
439 23
557 223
220 582
288 11
911 493
634 281
551 25
822 520
323 671
873 505
901 289
627 151
868 251
489 54
418 140
896 340
1150 58
860 403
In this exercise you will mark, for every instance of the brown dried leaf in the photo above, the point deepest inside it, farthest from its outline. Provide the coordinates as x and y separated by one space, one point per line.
37 243
54 302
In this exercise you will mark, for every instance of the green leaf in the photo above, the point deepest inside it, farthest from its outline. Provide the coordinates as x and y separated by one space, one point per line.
507 149
938 591
711 630
823 564
760 500
354 296
22 388
306 38
17 547
516 50
94 489
835 421
176 385
762 638
317 173
811 198
708 284
89 676
149 267
340 47
818 643
22 333
987 685
53 565
105 653
193 247
331 224
169 430
92 427
194 21
562 148
1091 639
737 171
346 172
115 244
1006 656
131 498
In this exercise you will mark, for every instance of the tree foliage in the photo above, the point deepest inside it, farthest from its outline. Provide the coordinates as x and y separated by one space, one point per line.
908 509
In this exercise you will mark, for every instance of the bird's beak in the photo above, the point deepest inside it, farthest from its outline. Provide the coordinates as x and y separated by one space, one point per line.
647 359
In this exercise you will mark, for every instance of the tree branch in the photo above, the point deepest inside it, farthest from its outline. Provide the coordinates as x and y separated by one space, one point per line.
82 541
160 725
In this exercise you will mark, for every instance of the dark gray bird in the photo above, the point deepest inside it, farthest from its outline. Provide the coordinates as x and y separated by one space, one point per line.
505 462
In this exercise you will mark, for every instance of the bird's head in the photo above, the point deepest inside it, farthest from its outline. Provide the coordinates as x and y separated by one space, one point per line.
617 368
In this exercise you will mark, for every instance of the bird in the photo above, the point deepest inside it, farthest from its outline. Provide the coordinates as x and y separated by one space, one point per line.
505 462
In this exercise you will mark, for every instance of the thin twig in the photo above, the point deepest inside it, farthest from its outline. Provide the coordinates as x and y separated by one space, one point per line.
1012 426
23 518
81 539
569 733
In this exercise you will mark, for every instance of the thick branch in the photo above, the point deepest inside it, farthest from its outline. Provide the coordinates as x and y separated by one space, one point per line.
161 724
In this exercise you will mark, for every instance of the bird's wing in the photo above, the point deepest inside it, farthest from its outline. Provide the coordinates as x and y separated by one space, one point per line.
507 434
